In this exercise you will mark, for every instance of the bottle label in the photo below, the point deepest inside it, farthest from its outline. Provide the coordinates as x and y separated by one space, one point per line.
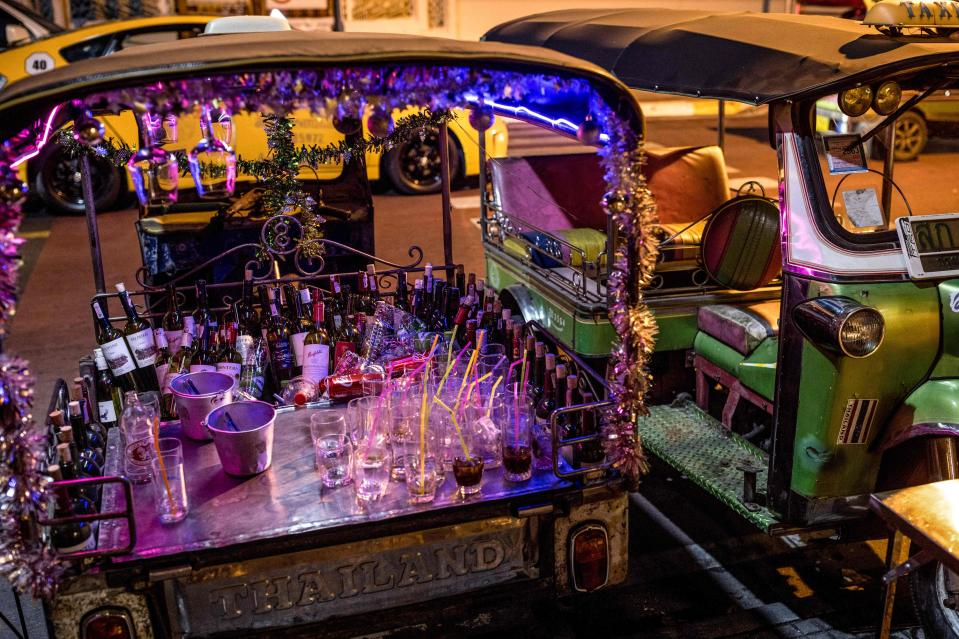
282 354
202 368
297 341
118 357
108 412
173 340
144 349
229 368
162 371
316 362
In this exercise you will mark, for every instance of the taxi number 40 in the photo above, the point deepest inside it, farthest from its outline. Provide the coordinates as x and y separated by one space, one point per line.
39 63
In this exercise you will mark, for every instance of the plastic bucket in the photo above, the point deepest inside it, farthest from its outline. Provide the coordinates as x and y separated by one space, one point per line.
243 436
208 391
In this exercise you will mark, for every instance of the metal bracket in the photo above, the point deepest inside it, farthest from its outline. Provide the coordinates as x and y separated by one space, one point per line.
918 560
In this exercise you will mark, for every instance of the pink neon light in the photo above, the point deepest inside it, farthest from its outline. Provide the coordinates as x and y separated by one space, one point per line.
41 141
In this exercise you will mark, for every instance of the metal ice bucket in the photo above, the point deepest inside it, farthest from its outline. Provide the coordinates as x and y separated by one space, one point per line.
243 436
193 404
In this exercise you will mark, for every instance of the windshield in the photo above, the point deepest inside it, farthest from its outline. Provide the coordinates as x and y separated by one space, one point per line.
926 144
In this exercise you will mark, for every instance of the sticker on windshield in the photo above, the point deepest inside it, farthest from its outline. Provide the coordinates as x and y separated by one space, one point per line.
844 153
862 208
856 420
39 63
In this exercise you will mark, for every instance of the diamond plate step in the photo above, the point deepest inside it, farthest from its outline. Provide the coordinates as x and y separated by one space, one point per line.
697 445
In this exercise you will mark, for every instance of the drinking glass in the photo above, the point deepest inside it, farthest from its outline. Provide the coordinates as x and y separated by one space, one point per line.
493 349
374 384
405 412
332 447
422 469
517 443
155 175
369 421
467 460
169 481
371 472
484 421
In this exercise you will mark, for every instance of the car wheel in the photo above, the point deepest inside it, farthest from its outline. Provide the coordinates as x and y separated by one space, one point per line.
413 167
58 184
930 593
911 136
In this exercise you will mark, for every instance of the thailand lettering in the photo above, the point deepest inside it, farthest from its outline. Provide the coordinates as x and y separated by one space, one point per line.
361 577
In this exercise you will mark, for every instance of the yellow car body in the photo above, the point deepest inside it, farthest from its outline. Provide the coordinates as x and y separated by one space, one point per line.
56 181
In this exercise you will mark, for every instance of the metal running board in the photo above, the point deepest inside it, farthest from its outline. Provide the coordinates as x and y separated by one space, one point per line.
697 445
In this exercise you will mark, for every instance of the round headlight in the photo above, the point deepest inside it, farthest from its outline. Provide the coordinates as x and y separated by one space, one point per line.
861 332
887 97
855 101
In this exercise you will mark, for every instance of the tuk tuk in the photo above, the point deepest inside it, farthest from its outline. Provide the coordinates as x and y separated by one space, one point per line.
277 553
815 364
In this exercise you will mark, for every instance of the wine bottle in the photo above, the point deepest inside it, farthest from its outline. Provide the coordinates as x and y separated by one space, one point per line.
172 320
278 339
301 327
139 335
417 304
252 373
547 399
229 360
163 355
204 360
460 277
470 336
316 348
116 351
72 537
538 378
179 365
373 289
202 318
107 393
401 299
247 316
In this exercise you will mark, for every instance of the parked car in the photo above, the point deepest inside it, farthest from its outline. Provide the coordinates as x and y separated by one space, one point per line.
22 25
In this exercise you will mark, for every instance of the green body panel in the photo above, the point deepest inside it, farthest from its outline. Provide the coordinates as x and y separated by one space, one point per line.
948 364
821 466
935 402
758 371
589 334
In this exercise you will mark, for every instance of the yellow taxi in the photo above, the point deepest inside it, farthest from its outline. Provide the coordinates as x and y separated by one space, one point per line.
54 176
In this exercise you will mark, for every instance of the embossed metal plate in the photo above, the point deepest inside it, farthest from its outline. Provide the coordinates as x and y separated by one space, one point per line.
349 579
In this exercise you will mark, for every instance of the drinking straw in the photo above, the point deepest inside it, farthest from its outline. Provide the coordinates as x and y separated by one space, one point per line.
469 368
379 406
230 423
492 394
456 425
525 376
424 416
449 347
449 368
516 411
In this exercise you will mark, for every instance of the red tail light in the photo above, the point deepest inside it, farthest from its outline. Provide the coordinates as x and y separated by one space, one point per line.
107 623
589 557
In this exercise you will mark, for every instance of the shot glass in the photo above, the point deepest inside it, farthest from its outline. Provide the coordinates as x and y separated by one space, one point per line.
169 481
332 448
371 472
517 446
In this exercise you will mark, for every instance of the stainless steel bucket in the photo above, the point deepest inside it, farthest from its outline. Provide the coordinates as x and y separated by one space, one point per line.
243 436
208 391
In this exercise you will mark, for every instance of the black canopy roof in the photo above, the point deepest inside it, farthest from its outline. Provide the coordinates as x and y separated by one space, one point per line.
32 97
748 57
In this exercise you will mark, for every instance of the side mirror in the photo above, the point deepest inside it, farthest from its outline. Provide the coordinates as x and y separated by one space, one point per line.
741 243
16 34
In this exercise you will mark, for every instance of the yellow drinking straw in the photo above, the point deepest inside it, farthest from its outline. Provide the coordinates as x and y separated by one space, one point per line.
449 347
423 418
456 425
492 394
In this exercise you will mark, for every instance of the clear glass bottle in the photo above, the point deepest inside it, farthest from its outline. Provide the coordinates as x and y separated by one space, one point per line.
212 161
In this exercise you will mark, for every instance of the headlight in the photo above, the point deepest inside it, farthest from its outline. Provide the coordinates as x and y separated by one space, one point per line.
841 325
887 97
855 101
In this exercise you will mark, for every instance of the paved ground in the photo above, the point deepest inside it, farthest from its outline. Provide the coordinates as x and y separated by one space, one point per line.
798 586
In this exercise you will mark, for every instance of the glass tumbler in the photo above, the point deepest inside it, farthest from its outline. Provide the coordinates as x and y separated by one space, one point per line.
332 448
169 481
371 472
517 443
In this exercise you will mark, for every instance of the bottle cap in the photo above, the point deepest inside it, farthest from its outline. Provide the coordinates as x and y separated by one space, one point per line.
63 450
65 435
120 287
305 294
57 418
54 471
507 314
560 369
540 349
550 361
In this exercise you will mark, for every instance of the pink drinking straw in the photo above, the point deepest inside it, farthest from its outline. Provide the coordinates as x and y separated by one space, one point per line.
379 406
516 411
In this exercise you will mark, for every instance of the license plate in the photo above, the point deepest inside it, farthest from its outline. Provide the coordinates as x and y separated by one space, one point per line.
348 579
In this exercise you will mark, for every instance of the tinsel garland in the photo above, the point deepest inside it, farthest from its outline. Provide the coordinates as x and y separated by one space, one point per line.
630 205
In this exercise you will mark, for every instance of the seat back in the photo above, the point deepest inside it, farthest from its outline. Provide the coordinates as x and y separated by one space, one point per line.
553 192
741 243
687 182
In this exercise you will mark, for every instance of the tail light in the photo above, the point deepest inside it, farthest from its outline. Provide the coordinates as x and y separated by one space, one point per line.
107 623
589 557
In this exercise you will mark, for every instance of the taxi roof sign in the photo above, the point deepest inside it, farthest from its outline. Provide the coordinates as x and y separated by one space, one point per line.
894 15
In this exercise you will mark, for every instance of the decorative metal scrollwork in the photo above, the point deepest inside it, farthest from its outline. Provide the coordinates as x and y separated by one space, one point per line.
282 235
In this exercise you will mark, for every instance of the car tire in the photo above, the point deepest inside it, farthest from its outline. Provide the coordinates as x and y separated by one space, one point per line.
57 182
413 167
912 134
928 587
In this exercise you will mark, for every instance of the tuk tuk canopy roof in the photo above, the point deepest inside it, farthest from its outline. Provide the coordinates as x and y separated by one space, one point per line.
748 57
27 99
